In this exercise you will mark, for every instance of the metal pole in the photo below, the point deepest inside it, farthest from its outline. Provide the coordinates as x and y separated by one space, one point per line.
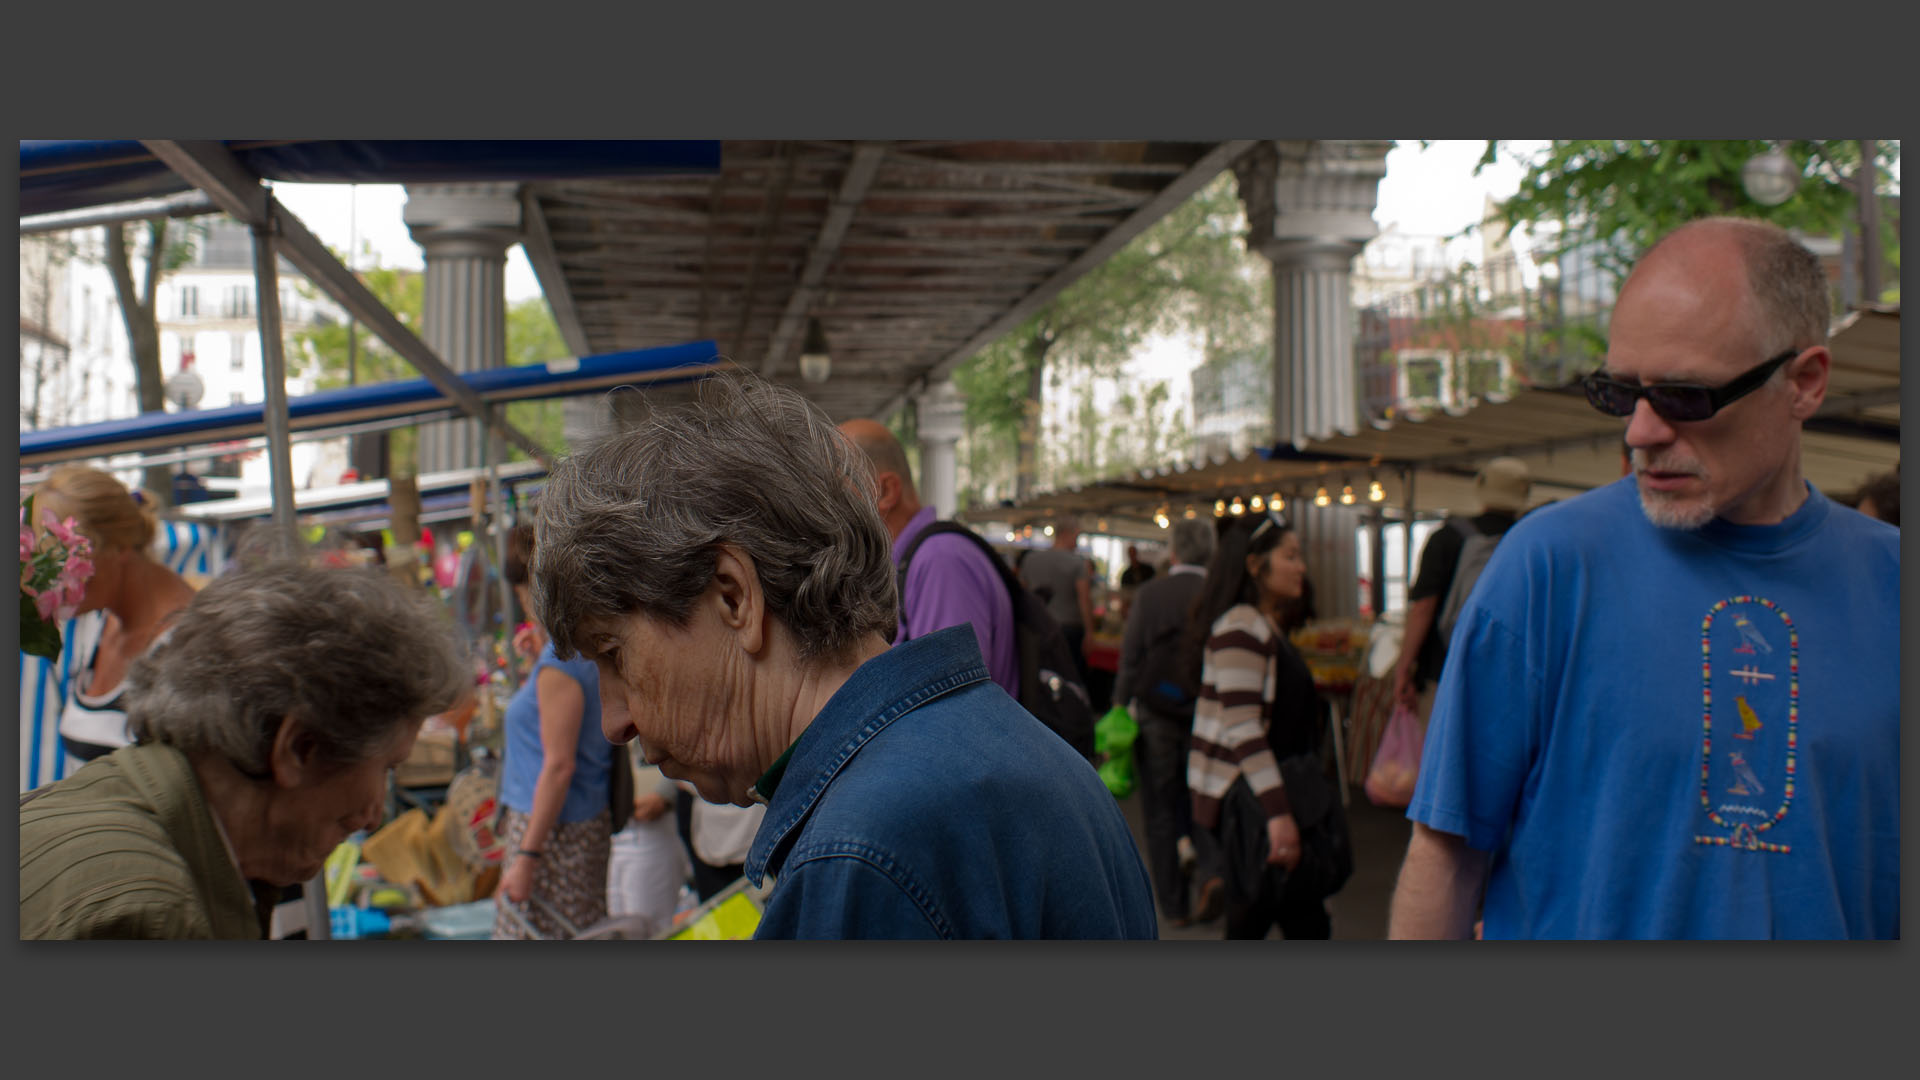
1866 181
273 370
1379 569
353 251
1406 584
496 497
185 204
266 281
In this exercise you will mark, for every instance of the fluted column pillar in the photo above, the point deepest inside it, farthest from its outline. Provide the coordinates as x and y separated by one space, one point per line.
1310 211
464 231
1327 543
942 416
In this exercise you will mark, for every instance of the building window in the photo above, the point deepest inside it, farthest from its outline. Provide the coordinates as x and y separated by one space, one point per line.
1426 377
189 301
239 302
238 356
237 398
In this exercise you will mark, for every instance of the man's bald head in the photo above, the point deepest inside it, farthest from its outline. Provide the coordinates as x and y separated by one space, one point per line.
881 448
896 497
1781 280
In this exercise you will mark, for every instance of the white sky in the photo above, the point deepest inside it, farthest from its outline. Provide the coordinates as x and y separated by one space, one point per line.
341 214
1426 192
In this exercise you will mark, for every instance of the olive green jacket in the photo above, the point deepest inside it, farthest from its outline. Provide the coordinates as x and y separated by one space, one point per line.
127 848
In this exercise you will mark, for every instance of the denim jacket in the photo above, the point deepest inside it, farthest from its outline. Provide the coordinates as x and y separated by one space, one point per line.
924 802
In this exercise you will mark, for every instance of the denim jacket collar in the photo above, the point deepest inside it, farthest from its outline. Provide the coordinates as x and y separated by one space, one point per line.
881 691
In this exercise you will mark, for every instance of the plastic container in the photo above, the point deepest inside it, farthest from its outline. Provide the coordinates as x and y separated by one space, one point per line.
459 922
350 923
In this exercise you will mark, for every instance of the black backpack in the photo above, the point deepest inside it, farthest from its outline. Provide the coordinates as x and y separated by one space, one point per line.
1050 684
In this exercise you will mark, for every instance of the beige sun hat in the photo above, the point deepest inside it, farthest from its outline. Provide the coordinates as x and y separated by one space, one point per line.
1503 484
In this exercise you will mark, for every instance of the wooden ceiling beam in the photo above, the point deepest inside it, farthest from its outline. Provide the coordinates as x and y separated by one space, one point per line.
1179 191
846 202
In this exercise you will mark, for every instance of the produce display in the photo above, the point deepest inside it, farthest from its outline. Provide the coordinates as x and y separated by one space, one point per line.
1334 650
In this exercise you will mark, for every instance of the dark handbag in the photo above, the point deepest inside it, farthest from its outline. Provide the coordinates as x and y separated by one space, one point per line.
620 787
1326 844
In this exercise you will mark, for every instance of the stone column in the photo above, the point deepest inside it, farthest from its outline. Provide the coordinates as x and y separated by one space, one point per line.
942 416
1329 541
465 231
1310 211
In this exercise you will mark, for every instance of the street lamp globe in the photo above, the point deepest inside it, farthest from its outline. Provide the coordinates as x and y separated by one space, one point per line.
1770 178
184 388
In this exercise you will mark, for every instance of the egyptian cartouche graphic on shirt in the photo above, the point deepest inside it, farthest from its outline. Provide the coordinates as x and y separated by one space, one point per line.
1750 671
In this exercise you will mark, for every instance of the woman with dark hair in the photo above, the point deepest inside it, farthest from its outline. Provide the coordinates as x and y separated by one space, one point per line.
1256 709
554 781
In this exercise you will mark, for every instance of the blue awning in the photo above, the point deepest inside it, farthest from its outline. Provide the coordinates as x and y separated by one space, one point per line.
380 401
68 174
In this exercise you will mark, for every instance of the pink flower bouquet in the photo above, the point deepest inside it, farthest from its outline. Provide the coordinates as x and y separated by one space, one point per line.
54 569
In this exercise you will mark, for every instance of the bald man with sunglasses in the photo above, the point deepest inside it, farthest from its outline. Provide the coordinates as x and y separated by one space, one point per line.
1673 705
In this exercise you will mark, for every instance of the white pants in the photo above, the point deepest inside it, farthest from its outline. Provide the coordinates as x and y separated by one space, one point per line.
646 869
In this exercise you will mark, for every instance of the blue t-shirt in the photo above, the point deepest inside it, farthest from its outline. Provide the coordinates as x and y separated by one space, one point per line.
593 758
1670 734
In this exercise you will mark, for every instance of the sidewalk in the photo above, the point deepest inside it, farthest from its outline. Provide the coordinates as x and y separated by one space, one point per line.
1360 909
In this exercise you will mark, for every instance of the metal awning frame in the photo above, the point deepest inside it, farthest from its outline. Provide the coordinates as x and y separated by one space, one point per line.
212 168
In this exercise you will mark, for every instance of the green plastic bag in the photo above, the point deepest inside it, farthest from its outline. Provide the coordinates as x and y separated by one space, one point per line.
1113 745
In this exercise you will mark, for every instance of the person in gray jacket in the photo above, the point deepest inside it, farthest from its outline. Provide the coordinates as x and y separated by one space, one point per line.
1150 684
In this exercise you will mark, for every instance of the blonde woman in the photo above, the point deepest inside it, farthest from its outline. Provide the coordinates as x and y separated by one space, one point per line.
139 595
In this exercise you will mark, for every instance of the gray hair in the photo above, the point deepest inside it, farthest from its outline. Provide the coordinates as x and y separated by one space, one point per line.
631 524
349 654
1192 541
1785 280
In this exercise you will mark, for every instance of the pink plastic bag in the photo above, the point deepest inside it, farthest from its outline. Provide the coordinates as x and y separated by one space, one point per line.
1397 763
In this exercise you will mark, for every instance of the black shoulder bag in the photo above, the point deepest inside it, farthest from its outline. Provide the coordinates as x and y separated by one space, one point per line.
1326 844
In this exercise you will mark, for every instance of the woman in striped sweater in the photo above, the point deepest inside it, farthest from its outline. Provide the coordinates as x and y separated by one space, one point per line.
1257 707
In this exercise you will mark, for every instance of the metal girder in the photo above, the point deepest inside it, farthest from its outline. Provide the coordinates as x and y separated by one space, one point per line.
184 204
853 188
211 167
546 270
1192 180
1058 194
273 374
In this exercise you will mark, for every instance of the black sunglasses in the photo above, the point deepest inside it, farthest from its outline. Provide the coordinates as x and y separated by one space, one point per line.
1678 401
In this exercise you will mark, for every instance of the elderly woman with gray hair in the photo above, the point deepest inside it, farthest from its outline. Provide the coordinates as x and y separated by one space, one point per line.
264 726
723 565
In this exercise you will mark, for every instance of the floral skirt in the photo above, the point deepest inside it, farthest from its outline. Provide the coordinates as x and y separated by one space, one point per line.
571 875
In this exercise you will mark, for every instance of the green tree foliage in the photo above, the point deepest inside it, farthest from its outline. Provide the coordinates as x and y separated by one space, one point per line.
1188 272
532 338
1631 192
334 364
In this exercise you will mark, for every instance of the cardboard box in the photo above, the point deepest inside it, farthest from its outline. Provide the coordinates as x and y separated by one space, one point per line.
431 762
